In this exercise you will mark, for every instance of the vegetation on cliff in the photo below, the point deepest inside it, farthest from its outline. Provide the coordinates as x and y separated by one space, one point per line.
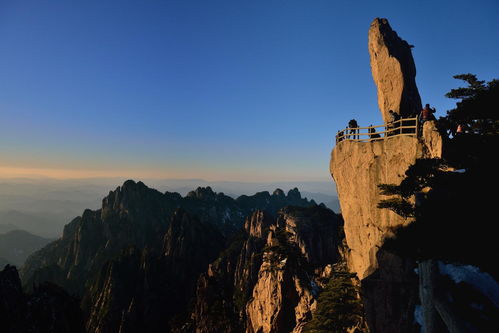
449 204
451 198
339 306
137 263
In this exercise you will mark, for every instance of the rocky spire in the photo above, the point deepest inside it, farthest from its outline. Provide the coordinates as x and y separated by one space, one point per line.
393 70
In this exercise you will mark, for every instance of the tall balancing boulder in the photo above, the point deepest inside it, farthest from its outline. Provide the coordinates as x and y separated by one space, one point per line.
393 70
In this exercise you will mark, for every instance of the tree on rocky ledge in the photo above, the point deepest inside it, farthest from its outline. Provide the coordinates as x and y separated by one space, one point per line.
449 198
450 209
339 307
478 109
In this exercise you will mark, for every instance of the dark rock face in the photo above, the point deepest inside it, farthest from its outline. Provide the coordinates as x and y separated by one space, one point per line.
224 289
294 194
390 295
143 291
12 300
202 193
311 229
48 309
132 215
136 261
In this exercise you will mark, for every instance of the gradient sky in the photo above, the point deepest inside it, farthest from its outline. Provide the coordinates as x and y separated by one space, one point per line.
221 90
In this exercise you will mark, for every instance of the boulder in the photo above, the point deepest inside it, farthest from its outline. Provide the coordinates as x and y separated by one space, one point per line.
393 70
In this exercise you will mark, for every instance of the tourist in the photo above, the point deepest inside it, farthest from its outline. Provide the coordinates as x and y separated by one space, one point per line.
427 113
340 136
392 124
352 124
372 133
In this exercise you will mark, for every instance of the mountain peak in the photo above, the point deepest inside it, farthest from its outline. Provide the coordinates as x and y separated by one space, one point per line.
131 185
278 193
202 193
294 194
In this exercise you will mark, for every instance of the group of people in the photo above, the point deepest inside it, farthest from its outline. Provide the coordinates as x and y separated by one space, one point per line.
352 132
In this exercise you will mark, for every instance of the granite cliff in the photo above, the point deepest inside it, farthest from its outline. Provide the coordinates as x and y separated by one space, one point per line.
388 281
269 278
358 168
393 70
150 261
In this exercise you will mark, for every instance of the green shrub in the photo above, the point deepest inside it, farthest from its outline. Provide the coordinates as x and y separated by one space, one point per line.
338 307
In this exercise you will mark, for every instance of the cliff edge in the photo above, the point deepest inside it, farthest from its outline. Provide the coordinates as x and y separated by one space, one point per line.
388 282
358 168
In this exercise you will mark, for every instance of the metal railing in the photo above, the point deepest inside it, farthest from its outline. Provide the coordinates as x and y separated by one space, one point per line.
405 126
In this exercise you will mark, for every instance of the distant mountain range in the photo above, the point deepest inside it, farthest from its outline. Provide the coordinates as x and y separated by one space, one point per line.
154 261
43 206
17 245
3 262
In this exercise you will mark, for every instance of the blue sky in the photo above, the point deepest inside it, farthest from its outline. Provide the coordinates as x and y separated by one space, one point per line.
220 90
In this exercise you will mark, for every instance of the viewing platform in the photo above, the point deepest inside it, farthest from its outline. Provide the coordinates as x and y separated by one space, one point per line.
405 126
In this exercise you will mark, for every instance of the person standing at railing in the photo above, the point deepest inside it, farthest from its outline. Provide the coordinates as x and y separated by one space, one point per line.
352 124
340 136
427 113
393 122
372 133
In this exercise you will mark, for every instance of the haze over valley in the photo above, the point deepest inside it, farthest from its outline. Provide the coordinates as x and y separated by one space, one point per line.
43 206
249 167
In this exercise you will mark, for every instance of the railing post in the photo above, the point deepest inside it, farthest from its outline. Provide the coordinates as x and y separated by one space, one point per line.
416 127
394 128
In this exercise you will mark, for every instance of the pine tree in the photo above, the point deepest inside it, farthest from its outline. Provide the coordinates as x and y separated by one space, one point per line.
338 307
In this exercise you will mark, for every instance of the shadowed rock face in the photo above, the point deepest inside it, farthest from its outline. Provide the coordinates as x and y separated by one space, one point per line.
47 309
142 291
393 70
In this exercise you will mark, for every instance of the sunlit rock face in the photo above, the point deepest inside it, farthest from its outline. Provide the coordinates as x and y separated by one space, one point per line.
267 280
279 302
358 168
388 282
282 298
393 70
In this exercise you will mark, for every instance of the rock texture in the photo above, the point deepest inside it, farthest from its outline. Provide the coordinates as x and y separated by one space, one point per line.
282 300
136 262
358 168
135 215
393 70
388 282
266 281
142 291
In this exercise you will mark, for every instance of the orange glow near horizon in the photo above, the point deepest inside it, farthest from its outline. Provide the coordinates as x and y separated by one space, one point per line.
8 172
20 172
